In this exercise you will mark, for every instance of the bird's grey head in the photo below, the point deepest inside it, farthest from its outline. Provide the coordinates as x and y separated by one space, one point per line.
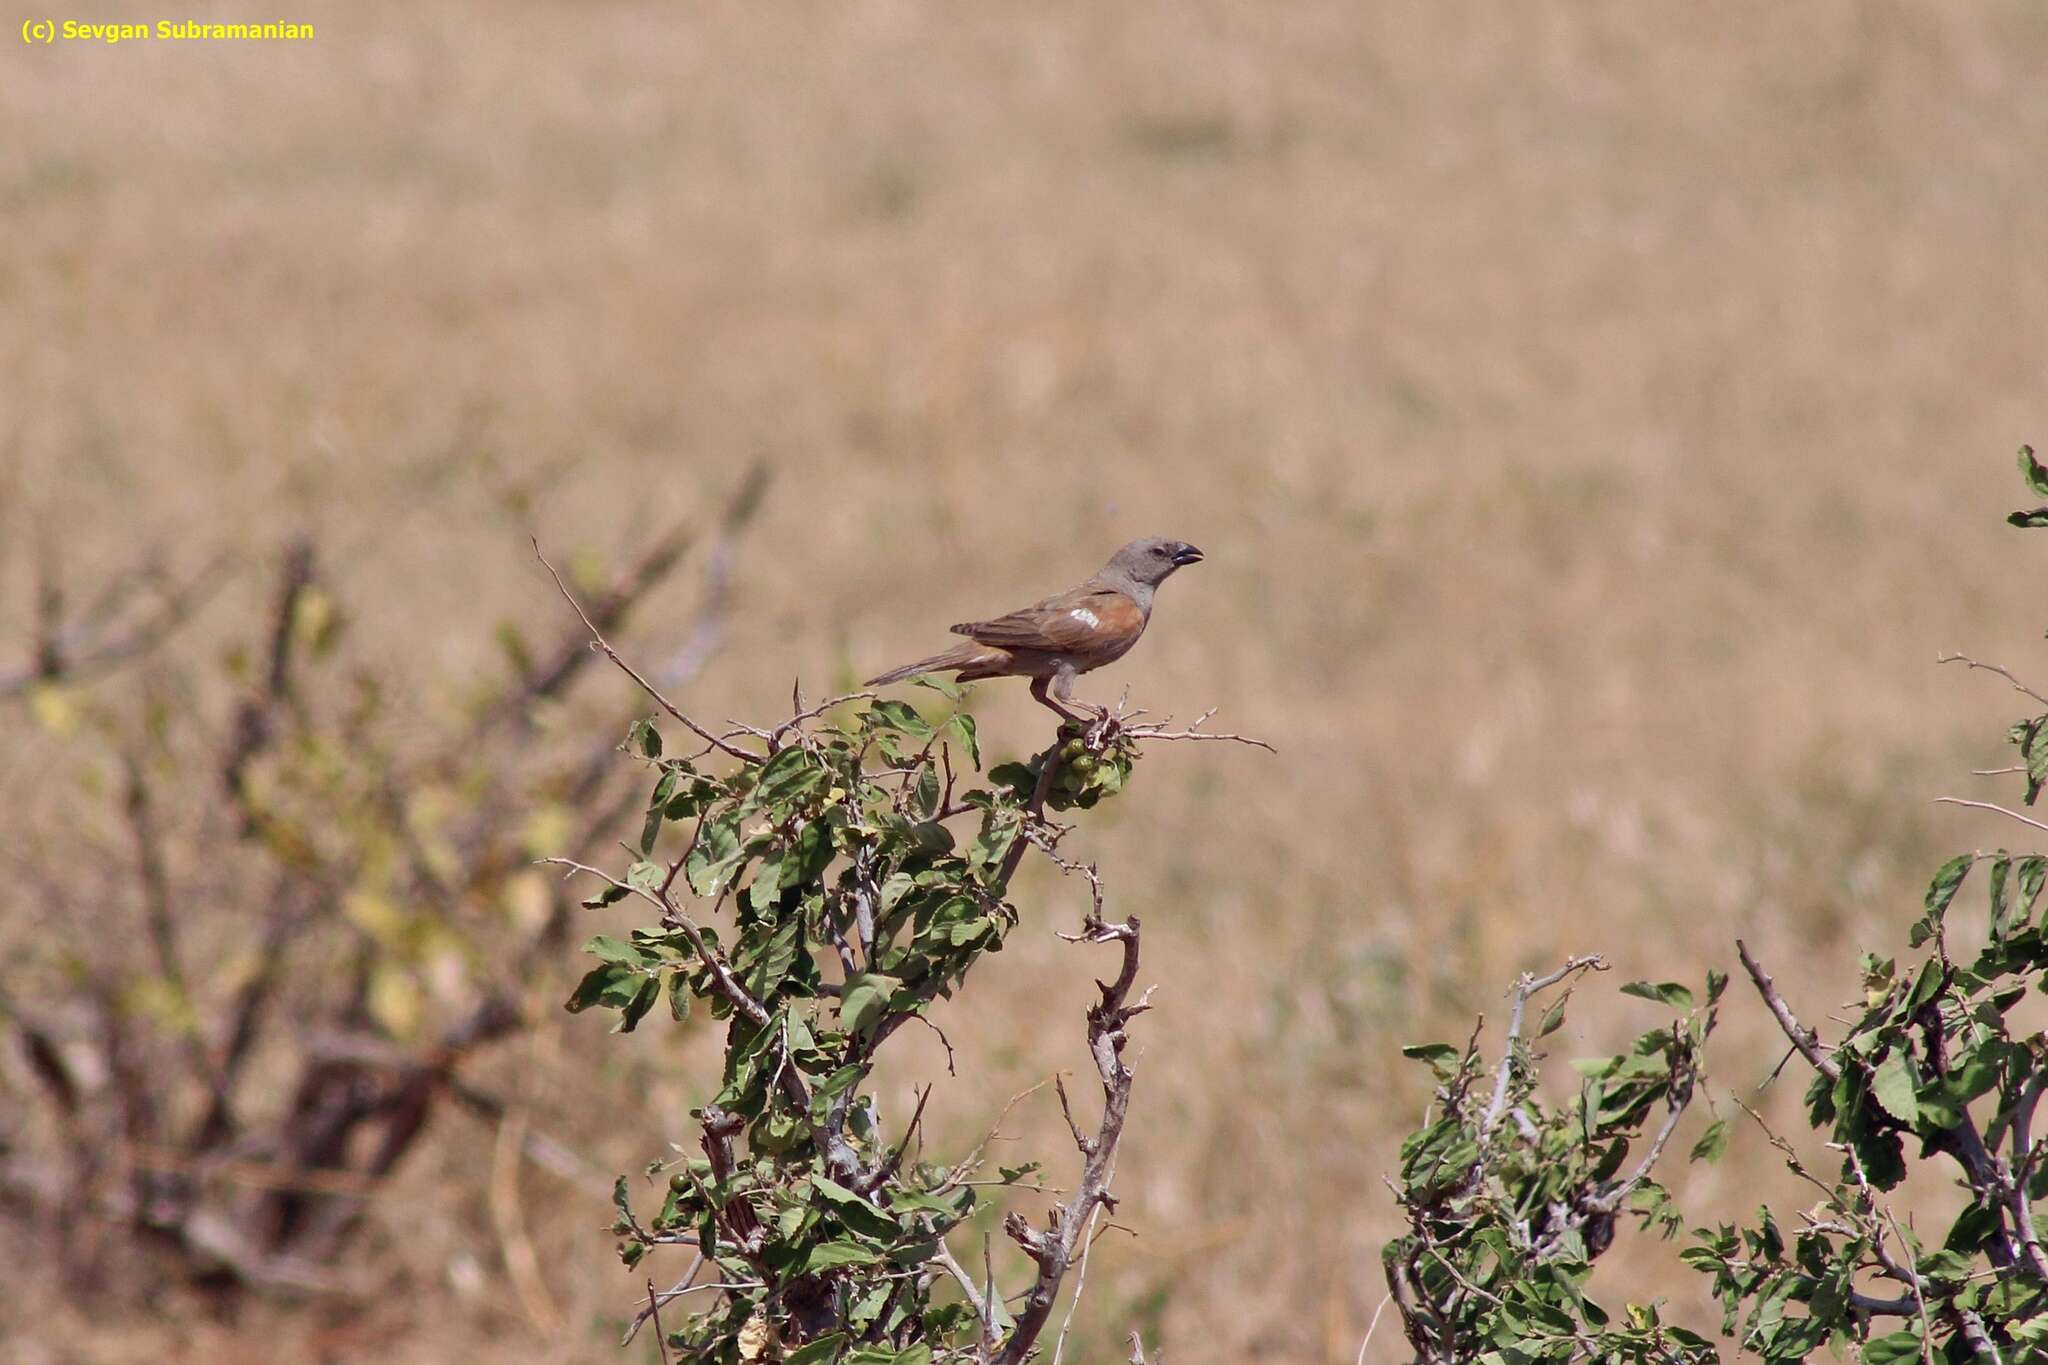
1149 562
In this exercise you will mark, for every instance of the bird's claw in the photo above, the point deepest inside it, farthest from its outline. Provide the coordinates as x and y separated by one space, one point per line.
1103 728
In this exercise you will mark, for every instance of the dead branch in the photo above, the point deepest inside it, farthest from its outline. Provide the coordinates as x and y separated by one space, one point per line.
1053 1246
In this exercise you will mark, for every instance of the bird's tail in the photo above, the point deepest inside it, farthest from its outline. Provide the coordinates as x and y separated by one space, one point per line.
963 658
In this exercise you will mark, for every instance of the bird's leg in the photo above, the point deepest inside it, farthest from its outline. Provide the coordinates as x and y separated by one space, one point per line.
1063 688
1038 686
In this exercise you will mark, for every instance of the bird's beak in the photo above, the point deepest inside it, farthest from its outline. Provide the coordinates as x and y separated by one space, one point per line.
1186 554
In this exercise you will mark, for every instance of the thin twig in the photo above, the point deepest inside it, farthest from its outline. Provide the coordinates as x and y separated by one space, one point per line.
2026 820
1804 1039
654 1312
1374 1325
604 646
1999 669
1528 985
1059 1346
1194 731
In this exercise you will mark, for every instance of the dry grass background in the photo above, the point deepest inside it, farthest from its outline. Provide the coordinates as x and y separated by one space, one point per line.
1597 418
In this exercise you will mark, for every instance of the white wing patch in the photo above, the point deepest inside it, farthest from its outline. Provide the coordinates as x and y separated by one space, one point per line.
1086 617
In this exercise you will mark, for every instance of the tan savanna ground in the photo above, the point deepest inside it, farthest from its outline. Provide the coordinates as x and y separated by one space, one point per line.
1597 418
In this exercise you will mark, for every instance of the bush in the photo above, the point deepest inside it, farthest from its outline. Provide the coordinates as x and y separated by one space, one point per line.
1509 1202
306 905
864 868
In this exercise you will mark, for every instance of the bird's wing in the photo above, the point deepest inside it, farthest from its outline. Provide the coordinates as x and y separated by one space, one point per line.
1076 621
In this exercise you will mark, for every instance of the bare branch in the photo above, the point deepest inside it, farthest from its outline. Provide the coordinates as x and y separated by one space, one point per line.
1528 985
1053 1248
604 645
982 1301
654 1312
1194 731
1059 1347
2000 670
676 1290
888 1168
1804 1039
2026 820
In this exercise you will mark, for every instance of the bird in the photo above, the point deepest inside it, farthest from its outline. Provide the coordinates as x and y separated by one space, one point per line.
1055 640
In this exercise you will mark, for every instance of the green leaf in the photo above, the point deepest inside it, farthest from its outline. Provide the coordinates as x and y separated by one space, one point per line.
679 996
1895 1088
1712 1143
898 715
789 774
1016 776
857 1213
2032 471
863 1000
836 1082
1942 889
820 1352
1553 1018
607 949
1665 992
998 831
611 986
962 724
716 855
636 1009
1897 1349
1441 1058
766 888
2033 875
611 895
644 737
764 974
691 799
2030 520
839 1251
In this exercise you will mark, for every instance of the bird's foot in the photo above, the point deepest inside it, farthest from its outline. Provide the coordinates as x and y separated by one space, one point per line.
1103 727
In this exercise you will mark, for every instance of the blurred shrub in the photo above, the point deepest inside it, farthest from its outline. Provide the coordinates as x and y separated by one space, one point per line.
308 907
